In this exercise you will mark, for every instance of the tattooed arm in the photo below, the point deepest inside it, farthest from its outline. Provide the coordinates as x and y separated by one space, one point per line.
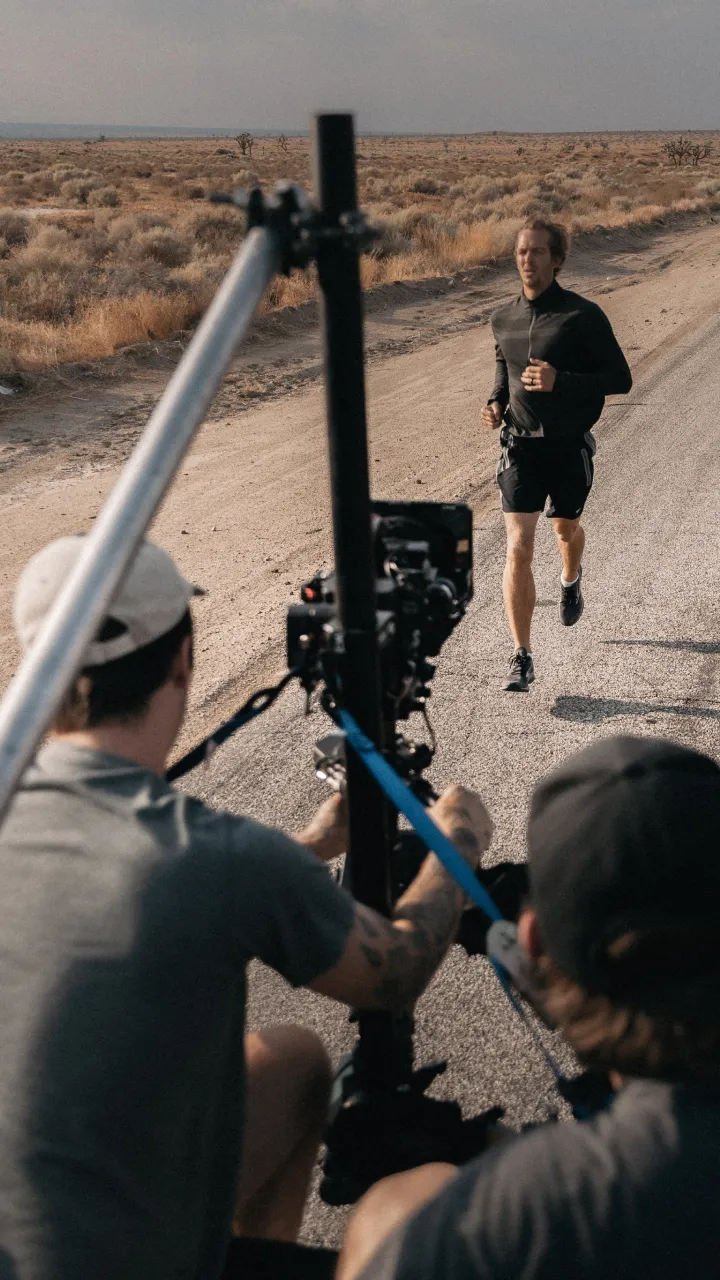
387 964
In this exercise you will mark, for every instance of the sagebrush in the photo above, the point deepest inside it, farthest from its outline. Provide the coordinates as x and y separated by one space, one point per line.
106 244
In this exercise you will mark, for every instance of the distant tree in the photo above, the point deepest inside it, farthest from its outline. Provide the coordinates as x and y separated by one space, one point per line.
283 143
588 144
678 150
700 151
246 142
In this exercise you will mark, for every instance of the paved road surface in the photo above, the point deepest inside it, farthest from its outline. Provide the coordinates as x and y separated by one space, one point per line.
644 659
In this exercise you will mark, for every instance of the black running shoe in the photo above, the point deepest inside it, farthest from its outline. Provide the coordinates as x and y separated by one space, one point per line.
521 673
572 602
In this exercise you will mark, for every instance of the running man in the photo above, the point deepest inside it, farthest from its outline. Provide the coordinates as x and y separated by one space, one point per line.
557 360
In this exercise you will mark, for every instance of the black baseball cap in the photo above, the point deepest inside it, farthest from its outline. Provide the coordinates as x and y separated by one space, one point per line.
624 870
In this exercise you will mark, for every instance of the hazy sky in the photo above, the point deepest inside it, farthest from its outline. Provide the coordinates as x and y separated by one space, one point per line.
405 65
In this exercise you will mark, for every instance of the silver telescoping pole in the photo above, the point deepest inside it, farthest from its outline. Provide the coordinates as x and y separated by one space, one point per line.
45 673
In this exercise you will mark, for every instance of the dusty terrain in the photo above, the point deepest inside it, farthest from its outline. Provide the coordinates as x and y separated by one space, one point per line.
107 244
261 455
249 518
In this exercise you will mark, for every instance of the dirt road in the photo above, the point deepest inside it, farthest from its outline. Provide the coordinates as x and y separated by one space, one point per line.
249 518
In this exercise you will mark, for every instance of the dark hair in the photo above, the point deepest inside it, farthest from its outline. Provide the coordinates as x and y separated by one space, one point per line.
634 1036
121 690
558 238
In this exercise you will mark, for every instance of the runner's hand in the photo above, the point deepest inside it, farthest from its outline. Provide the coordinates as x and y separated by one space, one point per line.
492 415
462 816
539 376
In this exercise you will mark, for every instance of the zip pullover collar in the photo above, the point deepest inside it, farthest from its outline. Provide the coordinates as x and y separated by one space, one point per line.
545 301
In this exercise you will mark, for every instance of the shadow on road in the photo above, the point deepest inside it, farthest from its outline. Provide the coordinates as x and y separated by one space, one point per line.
687 646
594 710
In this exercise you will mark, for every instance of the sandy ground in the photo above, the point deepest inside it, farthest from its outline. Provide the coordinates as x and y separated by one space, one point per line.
249 518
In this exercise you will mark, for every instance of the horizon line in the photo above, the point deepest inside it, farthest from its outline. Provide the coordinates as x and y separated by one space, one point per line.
226 131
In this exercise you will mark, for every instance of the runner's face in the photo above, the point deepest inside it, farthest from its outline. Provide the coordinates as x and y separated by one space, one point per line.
534 260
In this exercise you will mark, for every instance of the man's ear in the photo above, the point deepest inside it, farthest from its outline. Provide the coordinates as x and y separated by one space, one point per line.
182 667
529 933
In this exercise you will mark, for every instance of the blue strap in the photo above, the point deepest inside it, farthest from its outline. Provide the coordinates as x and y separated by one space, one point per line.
409 805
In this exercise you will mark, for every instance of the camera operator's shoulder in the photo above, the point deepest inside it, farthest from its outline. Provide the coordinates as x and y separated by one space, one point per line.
285 907
218 827
597 1181
552 1186
247 843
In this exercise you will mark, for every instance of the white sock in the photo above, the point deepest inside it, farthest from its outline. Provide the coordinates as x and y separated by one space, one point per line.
569 584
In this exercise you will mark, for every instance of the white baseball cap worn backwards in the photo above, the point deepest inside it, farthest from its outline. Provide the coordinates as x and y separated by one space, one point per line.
152 598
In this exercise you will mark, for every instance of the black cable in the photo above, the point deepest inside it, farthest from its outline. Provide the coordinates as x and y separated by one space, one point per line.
431 731
254 706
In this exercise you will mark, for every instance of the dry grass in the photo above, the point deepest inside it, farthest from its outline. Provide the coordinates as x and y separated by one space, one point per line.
107 244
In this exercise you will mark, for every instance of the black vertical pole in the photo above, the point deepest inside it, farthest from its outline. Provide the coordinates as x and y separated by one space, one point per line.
342 329
377 1095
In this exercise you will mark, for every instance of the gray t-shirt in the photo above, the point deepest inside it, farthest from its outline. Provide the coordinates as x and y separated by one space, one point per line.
631 1195
128 914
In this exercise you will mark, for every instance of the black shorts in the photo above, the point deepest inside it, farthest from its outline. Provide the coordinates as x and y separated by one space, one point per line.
532 471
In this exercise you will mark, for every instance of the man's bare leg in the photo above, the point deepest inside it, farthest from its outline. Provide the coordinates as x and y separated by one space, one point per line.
288 1078
571 543
385 1206
518 582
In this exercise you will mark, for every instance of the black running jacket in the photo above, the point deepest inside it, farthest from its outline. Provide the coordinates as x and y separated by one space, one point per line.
576 338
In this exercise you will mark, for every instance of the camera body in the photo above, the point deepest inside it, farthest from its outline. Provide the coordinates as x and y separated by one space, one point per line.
424 583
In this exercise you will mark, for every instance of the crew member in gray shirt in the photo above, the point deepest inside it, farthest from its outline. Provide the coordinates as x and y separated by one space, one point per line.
622 935
139 1128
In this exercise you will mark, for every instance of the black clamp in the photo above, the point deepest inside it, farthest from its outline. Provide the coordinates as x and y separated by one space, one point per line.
300 228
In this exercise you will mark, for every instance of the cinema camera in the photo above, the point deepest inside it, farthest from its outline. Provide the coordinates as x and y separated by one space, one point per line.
423 564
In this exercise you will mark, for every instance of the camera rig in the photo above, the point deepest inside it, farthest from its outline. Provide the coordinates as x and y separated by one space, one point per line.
422 556
421 560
